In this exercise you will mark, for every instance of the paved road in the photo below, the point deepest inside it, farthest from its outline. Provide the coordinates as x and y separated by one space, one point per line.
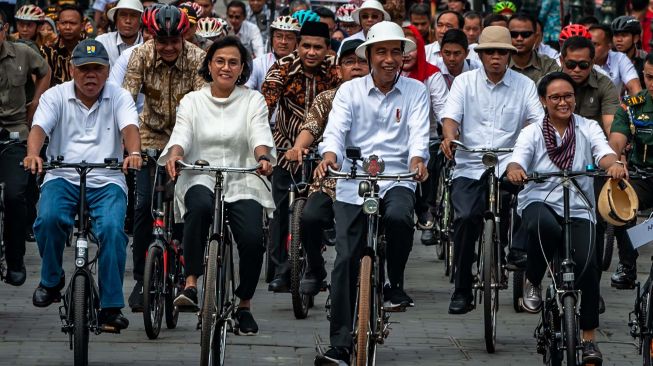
425 335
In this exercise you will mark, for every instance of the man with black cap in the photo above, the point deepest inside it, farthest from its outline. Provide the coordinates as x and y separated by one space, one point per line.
318 211
86 119
290 88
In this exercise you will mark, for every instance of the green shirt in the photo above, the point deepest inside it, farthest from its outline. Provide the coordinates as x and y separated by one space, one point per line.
597 97
538 66
639 130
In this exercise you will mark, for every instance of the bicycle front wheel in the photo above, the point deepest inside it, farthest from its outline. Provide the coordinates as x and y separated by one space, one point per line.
490 285
80 320
209 304
362 329
223 294
175 286
300 303
570 331
153 289
646 318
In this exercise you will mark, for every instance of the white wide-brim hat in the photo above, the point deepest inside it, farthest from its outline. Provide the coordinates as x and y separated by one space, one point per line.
382 32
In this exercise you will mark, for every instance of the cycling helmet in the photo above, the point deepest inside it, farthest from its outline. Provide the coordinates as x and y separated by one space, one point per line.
211 27
147 13
286 23
30 13
618 202
306 15
167 21
626 24
344 13
574 30
503 6
199 10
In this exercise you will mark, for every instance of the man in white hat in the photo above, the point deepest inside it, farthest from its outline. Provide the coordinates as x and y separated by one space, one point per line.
127 18
370 13
386 115
486 108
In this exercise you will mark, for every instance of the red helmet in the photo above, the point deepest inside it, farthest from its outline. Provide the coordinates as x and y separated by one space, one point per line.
574 30
167 21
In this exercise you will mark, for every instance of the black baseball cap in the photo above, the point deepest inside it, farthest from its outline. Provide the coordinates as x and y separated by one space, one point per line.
90 51
348 47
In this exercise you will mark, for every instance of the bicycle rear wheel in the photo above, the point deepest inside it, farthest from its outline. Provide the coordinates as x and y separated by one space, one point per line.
223 294
490 285
267 241
362 328
153 292
570 331
646 318
80 320
300 302
209 304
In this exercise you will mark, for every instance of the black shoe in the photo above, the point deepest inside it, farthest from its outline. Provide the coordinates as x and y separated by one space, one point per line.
461 303
280 283
311 284
591 354
601 305
246 325
16 276
113 317
624 277
425 220
428 237
29 235
398 299
44 296
333 356
187 299
136 298
516 260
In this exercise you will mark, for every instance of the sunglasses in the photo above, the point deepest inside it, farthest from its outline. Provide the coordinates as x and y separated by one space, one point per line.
492 51
571 65
524 34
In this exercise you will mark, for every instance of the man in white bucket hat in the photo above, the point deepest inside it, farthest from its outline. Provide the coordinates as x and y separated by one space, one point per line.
387 115
127 18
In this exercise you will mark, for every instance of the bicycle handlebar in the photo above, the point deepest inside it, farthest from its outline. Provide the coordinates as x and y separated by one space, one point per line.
113 165
389 177
481 150
221 169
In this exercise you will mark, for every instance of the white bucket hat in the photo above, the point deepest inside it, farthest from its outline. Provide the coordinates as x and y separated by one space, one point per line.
125 4
370 4
382 32
495 37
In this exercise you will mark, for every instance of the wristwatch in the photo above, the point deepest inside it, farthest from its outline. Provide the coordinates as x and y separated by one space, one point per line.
263 157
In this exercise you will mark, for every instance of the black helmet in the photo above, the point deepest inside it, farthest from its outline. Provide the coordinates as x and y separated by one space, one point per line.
168 21
626 24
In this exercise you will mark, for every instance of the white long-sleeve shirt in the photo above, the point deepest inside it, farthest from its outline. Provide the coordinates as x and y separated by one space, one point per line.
531 154
490 115
250 36
619 68
260 67
114 45
393 126
433 53
118 71
438 92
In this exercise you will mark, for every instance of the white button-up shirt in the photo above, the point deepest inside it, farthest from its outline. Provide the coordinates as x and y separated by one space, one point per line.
546 50
531 154
393 126
250 36
114 45
490 115
79 133
468 65
260 67
118 71
433 53
619 68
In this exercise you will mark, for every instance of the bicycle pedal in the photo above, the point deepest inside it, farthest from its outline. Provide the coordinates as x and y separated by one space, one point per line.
105 328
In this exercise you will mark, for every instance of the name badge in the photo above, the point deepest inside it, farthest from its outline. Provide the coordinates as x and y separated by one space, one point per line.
641 234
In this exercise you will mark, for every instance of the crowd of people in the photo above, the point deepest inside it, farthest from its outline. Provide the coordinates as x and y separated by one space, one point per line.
261 86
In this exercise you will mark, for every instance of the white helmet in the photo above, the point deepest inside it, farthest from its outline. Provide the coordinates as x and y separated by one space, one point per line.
135 5
370 4
211 27
286 23
344 13
385 31
31 13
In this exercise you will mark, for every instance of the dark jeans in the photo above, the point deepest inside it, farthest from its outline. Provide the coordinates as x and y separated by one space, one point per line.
245 223
281 180
542 223
627 254
317 217
16 184
397 208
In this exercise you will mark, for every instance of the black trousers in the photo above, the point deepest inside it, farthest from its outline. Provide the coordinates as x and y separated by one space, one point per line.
542 223
425 195
397 209
627 254
281 180
16 181
245 223
317 217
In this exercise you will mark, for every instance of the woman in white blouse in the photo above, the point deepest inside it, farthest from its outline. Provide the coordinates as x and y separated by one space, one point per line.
225 124
562 141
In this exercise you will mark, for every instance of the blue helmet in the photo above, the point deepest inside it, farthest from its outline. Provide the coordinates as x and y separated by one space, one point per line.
306 15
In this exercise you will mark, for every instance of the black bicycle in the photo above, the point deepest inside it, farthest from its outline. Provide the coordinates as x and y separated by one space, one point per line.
81 301
371 319
444 217
217 298
3 260
163 276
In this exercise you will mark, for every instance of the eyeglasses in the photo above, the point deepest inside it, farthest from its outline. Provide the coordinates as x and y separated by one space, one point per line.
571 65
569 98
492 51
370 16
524 34
350 62
284 37
231 64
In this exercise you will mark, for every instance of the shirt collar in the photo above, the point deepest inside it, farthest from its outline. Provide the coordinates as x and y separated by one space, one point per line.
534 62
370 87
104 94
119 41
506 80
7 50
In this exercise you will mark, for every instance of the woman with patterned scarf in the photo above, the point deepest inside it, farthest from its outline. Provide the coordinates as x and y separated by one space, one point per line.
562 141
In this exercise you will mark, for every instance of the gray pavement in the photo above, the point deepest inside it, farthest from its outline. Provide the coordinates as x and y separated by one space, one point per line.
425 335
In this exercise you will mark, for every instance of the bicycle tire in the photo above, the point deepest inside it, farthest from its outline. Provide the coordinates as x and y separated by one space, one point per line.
80 320
569 311
490 285
153 292
176 285
219 327
297 260
518 281
608 247
647 338
362 329
209 310
440 249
